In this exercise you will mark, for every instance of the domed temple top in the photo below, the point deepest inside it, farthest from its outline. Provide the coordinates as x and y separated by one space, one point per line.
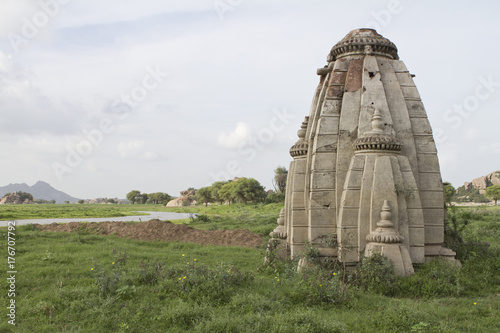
363 41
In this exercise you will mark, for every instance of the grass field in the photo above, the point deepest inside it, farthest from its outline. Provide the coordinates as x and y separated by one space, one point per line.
83 282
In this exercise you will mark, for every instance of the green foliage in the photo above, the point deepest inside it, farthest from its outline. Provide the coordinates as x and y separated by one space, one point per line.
215 191
493 192
158 198
107 280
449 192
280 177
134 196
376 274
201 284
248 189
204 195
275 197
472 195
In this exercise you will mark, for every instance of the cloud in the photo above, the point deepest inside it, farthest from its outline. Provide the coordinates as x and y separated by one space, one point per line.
238 136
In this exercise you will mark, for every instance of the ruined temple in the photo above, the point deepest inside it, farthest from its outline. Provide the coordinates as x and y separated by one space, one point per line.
365 174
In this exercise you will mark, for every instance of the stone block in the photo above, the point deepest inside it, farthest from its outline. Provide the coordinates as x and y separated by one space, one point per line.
433 216
354 180
326 143
300 235
434 235
299 181
323 161
416 235
348 217
431 199
398 66
404 78
337 77
322 217
420 126
318 234
298 200
336 91
410 92
417 254
425 144
351 198
331 107
328 125
299 218
430 181
428 163
322 180
322 199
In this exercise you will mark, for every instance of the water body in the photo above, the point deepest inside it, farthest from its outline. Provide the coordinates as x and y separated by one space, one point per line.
142 218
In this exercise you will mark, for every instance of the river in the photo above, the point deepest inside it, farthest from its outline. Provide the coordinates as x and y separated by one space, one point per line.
152 215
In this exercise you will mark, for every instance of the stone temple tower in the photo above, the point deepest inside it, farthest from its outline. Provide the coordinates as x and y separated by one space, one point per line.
365 173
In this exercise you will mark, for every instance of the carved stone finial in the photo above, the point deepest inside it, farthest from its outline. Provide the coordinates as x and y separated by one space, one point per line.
377 139
377 123
385 232
280 232
301 146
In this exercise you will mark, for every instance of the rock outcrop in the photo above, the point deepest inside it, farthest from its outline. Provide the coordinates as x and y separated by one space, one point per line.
482 183
187 198
17 198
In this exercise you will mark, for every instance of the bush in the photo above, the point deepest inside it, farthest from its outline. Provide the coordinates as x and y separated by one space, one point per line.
376 274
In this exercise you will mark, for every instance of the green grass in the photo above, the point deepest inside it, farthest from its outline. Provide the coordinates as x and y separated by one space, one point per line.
134 286
22 212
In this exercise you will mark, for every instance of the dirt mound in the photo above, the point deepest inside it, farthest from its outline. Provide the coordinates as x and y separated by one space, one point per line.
163 231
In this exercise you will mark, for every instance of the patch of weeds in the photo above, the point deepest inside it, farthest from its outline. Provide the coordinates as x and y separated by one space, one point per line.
311 253
437 278
107 280
201 284
202 218
150 272
213 227
376 274
315 286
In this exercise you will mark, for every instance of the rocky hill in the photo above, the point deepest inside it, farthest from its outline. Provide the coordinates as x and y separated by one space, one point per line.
41 190
17 198
482 183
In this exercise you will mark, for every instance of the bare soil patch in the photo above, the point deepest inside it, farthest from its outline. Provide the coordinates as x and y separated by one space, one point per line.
162 231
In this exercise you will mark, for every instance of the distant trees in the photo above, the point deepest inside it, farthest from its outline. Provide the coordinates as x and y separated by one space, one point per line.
493 192
280 176
136 197
133 196
204 195
158 198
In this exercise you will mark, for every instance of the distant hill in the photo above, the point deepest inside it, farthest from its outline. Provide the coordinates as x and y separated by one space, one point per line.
41 190
483 182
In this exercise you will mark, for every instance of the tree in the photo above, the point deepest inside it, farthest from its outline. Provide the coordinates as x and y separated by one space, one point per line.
133 196
204 195
449 192
280 176
215 189
493 192
159 198
226 192
248 189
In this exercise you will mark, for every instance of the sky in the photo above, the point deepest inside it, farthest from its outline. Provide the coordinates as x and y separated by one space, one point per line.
99 98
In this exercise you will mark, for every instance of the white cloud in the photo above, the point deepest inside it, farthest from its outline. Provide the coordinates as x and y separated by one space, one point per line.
237 137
